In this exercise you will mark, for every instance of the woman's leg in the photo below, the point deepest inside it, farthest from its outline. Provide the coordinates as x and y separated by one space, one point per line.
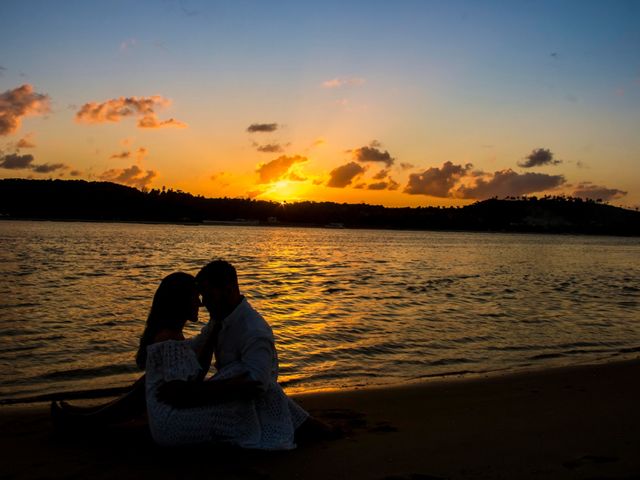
123 408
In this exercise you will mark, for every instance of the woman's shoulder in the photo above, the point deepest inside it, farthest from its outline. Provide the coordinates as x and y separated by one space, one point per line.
164 346
164 335
172 360
169 352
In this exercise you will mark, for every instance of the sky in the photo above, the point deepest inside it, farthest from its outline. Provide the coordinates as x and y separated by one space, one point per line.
405 103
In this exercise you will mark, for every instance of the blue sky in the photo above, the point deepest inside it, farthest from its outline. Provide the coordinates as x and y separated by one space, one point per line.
429 82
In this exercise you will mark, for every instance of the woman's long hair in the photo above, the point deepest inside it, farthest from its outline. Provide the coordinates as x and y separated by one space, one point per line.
171 306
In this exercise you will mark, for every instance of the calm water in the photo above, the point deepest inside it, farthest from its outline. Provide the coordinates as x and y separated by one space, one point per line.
348 307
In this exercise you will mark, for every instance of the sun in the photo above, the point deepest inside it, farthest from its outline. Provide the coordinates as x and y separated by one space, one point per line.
285 191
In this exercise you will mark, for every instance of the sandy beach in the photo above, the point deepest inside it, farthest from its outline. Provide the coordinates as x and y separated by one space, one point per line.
571 422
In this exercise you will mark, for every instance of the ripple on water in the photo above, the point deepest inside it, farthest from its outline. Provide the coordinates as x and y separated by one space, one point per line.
347 307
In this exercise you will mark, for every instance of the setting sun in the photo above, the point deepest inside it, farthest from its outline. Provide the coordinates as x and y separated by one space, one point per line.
336 115
284 191
401 236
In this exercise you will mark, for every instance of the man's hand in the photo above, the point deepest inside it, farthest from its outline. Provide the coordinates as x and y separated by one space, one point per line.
182 394
178 393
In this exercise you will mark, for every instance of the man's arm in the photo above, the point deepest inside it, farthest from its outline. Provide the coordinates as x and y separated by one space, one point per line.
182 394
204 352
203 345
249 378
257 357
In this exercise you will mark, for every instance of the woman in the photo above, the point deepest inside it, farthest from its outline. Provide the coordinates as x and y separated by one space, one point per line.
175 301
166 358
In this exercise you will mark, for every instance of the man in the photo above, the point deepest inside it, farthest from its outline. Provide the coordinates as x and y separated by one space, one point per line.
246 361
247 372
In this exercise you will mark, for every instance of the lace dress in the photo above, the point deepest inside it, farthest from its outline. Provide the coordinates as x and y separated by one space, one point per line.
267 422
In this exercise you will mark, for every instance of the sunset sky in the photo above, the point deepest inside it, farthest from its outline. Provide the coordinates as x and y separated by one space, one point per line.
400 103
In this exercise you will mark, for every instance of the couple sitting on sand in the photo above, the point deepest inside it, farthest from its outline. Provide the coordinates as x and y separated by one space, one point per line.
241 404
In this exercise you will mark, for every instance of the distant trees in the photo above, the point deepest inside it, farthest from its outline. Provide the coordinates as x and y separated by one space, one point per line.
79 199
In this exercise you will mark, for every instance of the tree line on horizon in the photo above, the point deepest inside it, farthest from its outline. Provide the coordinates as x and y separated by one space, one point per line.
105 201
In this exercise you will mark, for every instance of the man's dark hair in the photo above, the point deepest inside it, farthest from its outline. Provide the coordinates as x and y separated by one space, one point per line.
218 273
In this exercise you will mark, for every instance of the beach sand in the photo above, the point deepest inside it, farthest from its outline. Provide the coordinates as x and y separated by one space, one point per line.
571 422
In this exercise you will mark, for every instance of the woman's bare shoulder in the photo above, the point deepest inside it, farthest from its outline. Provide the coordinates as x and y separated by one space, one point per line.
164 335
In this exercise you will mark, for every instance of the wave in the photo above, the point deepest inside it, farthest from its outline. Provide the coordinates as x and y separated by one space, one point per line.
90 372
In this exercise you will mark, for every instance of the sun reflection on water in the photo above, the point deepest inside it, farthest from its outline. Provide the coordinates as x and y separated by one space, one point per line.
348 307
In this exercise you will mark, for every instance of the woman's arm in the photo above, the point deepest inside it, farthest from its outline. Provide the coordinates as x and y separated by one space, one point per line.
183 394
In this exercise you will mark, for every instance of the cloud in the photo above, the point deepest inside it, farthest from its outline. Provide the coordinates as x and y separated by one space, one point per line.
506 183
318 142
190 12
151 121
381 175
436 182
18 103
15 161
270 148
342 176
406 166
595 192
223 179
133 176
254 193
538 157
372 153
295 177
140 154
26 142
390 184
341 82
128 44
49 167
262 127
75 173
280 168
2 70
114 110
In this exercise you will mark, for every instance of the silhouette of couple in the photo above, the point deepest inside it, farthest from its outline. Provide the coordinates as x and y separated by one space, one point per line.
241 404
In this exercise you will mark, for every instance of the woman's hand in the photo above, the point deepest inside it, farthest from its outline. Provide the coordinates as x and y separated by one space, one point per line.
178 393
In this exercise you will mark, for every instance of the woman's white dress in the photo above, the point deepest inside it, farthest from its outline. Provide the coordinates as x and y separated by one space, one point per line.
267 422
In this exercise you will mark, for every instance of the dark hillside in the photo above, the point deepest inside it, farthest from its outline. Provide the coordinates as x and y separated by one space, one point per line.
104 201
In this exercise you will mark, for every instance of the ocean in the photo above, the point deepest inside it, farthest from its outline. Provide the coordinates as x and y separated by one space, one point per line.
349 308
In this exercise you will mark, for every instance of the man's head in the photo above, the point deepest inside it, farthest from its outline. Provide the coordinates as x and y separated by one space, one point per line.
218 284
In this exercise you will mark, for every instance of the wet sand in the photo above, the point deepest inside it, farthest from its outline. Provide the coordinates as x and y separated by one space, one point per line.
574 422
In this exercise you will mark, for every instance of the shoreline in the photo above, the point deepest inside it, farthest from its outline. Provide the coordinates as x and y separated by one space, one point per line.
105 393
579 421
252 223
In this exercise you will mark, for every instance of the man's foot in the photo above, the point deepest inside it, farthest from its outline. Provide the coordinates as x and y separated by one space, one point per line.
313 429
68 408
67 422
58 417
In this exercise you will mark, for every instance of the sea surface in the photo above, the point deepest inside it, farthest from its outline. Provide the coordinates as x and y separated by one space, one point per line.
349 308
